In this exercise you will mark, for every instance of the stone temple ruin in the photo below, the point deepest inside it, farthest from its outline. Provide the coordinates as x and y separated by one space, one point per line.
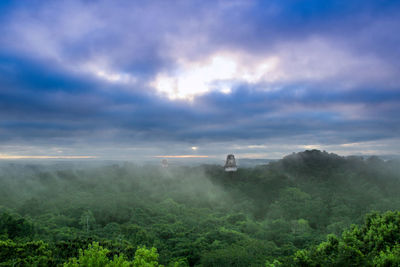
230 165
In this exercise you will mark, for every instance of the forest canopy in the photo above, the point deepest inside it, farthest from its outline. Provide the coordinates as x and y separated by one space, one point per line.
308 209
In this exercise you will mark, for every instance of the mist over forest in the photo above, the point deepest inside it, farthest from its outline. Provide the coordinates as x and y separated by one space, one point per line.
116 118
284 213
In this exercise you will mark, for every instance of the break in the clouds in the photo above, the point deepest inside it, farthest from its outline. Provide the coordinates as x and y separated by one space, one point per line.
123 79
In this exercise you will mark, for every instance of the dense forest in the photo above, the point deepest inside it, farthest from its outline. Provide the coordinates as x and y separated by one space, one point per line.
308 209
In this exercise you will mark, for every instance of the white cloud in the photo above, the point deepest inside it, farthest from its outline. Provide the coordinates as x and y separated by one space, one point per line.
310 60
217 73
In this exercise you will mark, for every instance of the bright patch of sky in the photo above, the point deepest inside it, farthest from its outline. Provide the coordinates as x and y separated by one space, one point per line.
217 73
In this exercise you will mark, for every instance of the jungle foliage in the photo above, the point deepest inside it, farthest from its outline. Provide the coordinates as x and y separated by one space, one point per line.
308 209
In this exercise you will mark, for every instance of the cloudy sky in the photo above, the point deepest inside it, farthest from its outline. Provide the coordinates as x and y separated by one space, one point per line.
135 79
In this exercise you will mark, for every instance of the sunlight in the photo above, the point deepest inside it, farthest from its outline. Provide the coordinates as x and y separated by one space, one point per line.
215 74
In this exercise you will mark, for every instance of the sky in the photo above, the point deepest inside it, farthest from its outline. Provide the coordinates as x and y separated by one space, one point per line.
140 79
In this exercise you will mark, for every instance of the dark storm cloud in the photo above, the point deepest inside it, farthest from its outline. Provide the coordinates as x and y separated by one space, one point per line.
83 70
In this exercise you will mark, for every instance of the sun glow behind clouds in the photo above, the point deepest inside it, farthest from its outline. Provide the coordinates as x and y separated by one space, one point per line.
217 73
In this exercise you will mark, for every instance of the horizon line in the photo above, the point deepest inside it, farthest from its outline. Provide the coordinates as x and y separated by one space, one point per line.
182 156
44 157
